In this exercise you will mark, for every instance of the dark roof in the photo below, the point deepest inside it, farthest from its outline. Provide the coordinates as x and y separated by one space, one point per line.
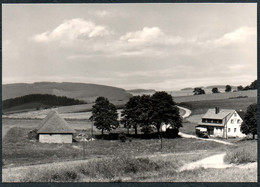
211 114
241 114
53 123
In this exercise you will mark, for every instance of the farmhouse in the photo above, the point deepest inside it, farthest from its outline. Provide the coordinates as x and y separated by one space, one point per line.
222 122
54 129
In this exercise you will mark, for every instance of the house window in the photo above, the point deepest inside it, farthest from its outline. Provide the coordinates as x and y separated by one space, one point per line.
228 129
235 114
235 129
238 121
232 121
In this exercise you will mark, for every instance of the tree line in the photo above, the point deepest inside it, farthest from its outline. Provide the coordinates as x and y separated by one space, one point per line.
46 99
143 112
252 86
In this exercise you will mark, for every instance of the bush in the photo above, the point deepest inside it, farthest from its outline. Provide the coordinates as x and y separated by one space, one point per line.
32 134
241 155
122 137
116 167
16 135
147 129
171 133
51 175
97 169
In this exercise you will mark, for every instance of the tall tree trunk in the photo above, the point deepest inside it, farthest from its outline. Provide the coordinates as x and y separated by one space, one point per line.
158 131
135 130
253 136
102 131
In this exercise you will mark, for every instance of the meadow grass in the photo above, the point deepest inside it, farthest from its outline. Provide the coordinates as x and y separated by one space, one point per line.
116 169
231 174
18 150
201 107
103 169
244 152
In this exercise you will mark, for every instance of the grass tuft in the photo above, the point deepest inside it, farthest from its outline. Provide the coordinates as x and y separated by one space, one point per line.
242 154
112 169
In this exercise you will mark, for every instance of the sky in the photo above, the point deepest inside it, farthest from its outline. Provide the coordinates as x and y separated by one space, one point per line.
147 46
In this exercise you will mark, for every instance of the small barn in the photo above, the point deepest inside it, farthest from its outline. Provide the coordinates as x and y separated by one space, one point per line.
222 122
54 129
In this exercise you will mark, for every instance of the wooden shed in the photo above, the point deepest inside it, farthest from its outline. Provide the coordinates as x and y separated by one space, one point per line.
54 129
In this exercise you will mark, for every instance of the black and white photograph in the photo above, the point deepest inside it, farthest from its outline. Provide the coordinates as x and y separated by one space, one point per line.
129 92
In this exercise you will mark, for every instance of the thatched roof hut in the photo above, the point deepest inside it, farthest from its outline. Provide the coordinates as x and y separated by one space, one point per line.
54 129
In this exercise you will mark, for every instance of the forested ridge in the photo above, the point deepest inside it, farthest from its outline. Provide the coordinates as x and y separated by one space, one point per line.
45 99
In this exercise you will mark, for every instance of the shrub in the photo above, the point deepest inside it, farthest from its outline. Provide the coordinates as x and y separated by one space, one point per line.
16 135
171 133
147 129
32 134
51 175
241 155
122 137
111 168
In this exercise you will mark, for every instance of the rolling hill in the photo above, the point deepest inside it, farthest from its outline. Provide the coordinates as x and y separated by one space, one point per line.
81 91
141 91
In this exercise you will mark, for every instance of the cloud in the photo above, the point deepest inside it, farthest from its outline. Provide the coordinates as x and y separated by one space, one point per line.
151 35
240 35
74 29
145 35
102 13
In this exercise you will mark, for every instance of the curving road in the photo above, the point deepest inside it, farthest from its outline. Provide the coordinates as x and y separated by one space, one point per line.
187 112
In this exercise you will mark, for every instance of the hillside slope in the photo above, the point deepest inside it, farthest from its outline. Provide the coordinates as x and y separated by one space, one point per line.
81 91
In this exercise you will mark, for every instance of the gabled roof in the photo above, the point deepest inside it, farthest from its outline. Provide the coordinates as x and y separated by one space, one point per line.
53 123
211 114
241 114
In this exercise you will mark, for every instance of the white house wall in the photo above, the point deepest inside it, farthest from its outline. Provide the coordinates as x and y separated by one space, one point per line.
234 125
218 131
55 138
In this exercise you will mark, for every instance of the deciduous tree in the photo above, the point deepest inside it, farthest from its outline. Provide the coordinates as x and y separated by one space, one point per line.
215 90
165 111
137 112
104 115
253 85
228 88
249 125
240 88
198 91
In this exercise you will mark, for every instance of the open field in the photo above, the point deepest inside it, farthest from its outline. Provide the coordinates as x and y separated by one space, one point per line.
63 109
18 150
232 174
119 168
208 97
201 107
122 166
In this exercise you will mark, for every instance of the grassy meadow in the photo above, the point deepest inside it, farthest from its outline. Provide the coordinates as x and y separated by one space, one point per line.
201 107
136 160
19 150
124 167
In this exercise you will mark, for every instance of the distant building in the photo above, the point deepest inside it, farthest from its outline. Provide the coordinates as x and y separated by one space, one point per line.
222 122
54 129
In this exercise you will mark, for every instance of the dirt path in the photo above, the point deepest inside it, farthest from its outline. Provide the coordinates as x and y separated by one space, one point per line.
205 139
215 161
187 112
